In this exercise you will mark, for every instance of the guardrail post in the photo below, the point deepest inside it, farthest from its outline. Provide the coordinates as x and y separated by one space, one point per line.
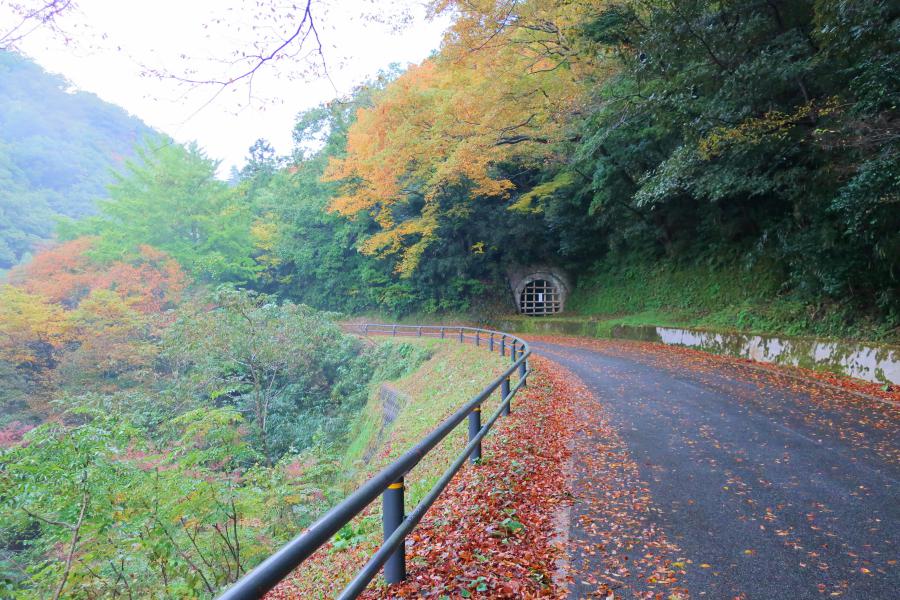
264 577
504 392
391 517
474 428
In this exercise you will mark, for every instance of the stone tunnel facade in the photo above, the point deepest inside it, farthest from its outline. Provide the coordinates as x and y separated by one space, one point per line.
539 291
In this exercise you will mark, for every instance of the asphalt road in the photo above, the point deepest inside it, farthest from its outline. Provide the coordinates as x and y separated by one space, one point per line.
767 488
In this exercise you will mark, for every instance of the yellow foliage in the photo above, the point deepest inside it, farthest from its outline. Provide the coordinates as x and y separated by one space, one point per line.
113 337
500 90
773 125
28 321
526 201
265 238
397 240
264 233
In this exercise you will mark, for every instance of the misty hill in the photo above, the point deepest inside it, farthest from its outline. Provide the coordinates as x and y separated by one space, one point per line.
57 149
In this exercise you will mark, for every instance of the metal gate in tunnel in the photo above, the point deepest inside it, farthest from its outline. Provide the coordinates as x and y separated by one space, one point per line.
540 297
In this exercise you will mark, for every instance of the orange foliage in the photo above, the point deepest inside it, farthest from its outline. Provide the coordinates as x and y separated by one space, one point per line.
30 326
113 342
66 274
58 273
498 92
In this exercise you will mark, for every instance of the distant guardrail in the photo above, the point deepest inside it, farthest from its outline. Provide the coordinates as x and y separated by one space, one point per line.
389 482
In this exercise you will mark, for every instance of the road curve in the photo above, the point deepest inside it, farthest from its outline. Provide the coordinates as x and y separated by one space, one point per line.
766 487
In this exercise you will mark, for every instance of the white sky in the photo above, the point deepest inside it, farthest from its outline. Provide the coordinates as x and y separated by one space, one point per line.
115 40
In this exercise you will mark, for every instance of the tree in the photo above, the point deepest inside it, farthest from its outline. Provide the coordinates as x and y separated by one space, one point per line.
171 200
500 92
262 162
99 511
275 363
113 345
149 281
311 255
32 329
745 129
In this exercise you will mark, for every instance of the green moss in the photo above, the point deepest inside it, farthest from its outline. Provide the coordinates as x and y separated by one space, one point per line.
672 288
364 430
394 360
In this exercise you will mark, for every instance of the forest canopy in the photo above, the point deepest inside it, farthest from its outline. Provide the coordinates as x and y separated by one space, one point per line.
740 132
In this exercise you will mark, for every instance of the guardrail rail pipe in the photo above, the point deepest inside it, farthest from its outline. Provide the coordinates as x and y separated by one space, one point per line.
389 482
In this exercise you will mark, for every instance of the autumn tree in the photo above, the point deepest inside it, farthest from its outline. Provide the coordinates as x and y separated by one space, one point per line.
149 280
311 255
33 335
32 329
60 273
113 345
501 91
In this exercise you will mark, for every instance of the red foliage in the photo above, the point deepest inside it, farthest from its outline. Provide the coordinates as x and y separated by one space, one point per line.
66 274
494 532
152 281
471 540
12 433
59 273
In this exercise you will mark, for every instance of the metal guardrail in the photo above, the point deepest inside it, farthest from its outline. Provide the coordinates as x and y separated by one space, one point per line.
389 481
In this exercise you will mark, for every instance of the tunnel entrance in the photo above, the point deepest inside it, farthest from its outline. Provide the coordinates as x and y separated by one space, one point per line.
540 297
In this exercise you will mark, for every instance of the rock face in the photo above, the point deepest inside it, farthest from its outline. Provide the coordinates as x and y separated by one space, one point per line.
392 400
539 289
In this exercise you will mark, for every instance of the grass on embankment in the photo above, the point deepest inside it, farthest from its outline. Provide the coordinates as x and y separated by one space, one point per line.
452 375
726 298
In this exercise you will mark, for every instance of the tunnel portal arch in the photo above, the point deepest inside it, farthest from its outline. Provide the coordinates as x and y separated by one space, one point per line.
540 293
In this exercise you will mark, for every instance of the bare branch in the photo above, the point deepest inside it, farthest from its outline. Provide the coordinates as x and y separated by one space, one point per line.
306 24
76 529
68 526
289 47
44 14
518 139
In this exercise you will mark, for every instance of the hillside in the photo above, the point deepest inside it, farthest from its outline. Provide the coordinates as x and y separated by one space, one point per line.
57 149
181 393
